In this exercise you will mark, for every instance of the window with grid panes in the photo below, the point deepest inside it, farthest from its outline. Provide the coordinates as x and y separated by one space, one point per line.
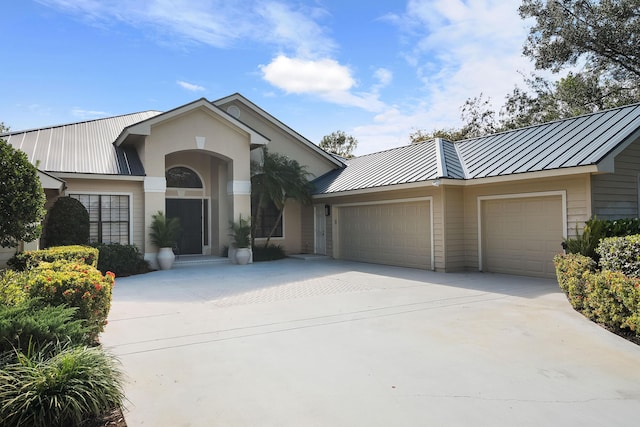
108 217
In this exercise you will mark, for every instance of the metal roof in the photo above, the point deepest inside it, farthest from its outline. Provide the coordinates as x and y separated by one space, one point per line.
578 141
84 147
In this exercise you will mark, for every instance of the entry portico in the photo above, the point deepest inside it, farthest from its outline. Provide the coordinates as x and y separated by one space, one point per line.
216 147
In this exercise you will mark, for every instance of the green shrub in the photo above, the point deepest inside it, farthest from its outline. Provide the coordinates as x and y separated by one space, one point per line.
621 227
270 253
76 285
32 325
602 303
76 253
123 260
68 223
572 271
587 242
607 297
621 254
67 389
12 287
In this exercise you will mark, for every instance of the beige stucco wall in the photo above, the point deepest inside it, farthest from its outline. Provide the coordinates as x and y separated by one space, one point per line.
223 164
615 195
282 142
292 222
118 186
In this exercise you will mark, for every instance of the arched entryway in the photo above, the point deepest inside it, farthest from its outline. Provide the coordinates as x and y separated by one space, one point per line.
192 211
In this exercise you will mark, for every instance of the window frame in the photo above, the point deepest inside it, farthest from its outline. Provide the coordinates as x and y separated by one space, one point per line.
282 224
110 193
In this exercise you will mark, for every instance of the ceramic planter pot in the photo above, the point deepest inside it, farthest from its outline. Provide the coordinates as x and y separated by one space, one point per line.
165 258
242 256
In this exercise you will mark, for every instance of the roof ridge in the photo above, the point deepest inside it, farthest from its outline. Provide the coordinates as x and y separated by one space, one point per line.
606 110
78 123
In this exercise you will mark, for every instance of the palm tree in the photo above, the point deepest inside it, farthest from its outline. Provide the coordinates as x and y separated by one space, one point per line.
276 180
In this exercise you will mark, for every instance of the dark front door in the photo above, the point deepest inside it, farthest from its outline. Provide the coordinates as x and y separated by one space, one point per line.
190 213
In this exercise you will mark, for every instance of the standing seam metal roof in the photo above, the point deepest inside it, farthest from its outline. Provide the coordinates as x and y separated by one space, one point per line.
578 141
84 147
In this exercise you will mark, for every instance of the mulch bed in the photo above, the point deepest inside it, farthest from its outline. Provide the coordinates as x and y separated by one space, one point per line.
112 419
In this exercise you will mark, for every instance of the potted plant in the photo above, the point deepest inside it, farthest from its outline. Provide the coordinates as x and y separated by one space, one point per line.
241 234
164 233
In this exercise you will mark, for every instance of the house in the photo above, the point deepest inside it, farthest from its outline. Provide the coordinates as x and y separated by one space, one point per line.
501 203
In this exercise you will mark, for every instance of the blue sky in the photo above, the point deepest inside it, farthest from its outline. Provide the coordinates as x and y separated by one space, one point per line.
376 70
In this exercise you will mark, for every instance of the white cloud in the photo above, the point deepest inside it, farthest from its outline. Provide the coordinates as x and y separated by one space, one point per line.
325 78
383 76
458 49
190 86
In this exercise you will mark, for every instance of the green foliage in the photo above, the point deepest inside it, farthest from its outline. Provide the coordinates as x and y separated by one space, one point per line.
339 143
276 180
607 297
603 33
76 285
270 253
572 271
68 223
587 242
21 199
621 254
241 232
12 287
122 260
164 231
33 325
75 253
64 390
621 227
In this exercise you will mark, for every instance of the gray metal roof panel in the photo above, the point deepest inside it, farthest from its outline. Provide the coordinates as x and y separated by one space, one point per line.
84 147
413 163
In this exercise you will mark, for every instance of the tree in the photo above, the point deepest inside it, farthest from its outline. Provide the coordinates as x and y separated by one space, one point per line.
22 198
68 223
339 143
604 33
478 120
276 180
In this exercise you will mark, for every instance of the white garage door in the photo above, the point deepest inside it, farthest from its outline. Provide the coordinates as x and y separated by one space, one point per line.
392 234
521 236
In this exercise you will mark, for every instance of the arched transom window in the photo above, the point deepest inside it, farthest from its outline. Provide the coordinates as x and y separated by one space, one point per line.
181 177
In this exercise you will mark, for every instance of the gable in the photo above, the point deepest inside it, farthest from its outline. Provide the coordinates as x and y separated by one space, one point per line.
283 139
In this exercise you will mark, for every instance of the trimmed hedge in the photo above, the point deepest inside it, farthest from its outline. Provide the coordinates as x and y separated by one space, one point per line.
12 287
76 285
607 297
123 260
621 254
68 223
269 253
75 253
572 272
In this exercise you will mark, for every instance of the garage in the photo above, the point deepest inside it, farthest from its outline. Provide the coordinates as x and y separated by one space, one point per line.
386 233
521 235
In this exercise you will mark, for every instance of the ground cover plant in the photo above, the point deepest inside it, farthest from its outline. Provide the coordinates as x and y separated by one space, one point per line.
52 372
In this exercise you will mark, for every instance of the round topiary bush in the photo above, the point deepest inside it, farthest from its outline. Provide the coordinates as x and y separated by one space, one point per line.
68 223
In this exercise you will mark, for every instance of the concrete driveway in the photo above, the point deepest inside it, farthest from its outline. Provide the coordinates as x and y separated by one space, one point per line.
330 343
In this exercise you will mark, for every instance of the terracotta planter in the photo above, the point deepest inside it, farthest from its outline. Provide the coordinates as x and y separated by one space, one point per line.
165 258
242 256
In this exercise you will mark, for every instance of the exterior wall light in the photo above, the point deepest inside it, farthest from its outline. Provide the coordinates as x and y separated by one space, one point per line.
327 210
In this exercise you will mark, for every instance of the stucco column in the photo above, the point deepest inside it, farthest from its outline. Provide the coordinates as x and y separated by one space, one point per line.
155 188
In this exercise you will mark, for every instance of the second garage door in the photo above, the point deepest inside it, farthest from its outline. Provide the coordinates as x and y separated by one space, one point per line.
522 235
393 234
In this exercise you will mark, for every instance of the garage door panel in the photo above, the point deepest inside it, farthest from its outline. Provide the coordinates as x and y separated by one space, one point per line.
521 235
394 234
